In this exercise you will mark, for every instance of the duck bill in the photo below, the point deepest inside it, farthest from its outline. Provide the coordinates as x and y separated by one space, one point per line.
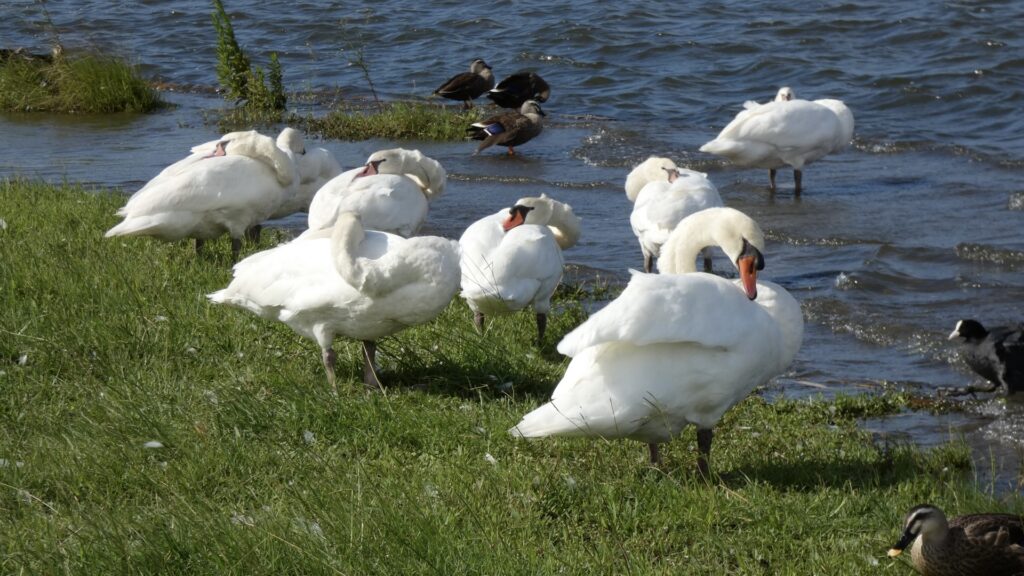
514 219
748 275
905 541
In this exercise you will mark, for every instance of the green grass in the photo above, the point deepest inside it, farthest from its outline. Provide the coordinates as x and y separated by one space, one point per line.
396 121
108 344
74 84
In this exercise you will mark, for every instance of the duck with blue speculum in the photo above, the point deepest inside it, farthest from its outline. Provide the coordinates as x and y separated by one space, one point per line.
512 128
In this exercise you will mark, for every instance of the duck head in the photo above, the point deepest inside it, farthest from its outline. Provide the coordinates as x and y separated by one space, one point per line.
968 331
924 520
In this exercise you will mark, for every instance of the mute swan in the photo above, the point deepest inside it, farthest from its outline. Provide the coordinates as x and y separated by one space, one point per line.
349 281
508 128
513 259
234 187
317 166
996 354
785 131
663 195
518 88
390 193
468 85
675 348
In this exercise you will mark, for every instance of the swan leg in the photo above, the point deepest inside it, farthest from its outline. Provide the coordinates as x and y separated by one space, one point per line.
478 321
329 359
542 324
655 454
798 177
648 263
253 233
707 259
236 247
199 246
704 451
771 179
369 370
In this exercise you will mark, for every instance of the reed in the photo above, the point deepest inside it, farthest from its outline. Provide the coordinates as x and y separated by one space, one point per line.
148 431
87 83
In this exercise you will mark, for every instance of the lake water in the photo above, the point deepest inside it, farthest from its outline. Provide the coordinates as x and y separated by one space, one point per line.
918 224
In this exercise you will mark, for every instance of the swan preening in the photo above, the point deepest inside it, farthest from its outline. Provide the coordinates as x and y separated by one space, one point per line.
228 185
513 259
468 85
662 195
348 281
510 128
234 186
675 348
786 131
390 193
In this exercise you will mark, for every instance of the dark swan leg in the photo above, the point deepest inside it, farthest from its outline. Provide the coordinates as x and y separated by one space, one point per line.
771 179
369 370
798 177
704 451
542 324
236 247
329 359
478 321
655 454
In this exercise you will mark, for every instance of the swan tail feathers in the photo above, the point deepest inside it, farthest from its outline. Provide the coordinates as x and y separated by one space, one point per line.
546 420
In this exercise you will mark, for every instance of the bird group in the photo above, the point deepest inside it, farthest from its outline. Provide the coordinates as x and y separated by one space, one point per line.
677 347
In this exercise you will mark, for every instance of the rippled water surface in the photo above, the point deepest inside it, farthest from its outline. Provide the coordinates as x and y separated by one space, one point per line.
917 225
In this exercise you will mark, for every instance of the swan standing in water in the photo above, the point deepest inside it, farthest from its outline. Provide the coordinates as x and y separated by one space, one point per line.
230 188
675 348
390 192
662 196
349 281
787 131
513 259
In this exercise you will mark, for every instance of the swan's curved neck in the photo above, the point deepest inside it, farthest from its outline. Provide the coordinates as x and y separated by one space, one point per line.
679 254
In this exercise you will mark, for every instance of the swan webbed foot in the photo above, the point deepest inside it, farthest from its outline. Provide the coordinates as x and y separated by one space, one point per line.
478 322
704 438
369 366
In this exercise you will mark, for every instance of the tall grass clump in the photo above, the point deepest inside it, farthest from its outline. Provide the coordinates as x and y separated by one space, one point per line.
147 431
88 83
240 80
397 121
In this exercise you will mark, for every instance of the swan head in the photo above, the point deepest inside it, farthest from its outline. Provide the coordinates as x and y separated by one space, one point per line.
428 173
650 170
517 216
785 94
291 139
531 107
923 520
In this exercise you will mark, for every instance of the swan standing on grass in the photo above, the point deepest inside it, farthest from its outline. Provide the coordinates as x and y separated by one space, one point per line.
513 259
662 196
787 131
229 189
390 192
675 348
349 281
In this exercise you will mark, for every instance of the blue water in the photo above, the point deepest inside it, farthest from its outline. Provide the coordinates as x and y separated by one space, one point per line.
917 225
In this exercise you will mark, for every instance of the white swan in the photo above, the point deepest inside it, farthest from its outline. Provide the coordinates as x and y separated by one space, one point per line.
663 195
786 131
390 193
513 259
232 188
317 166
675 348
347 281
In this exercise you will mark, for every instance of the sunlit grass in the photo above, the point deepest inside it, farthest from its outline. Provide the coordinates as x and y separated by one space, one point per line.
396 121
74 84
146 430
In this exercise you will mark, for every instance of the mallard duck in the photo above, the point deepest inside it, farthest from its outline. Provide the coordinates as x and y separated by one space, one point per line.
468 85
997 355
971 545
786 131
518 88
508 128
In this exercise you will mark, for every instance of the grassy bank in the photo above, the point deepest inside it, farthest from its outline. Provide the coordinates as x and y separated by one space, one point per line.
148 431
395 121
73 84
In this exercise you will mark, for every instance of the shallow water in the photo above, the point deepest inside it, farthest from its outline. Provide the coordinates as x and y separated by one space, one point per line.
914 227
